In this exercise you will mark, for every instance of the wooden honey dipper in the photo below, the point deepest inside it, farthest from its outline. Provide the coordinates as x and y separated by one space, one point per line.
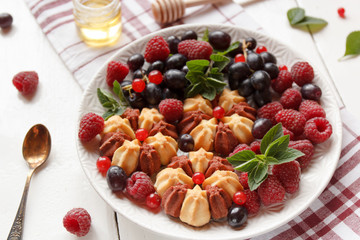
167 11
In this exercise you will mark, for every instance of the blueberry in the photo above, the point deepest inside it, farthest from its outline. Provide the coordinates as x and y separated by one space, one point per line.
311 91
245 88
186 143
152 93
219 40
189 35
261 127
255 61
173 42
116 178
176 61
175 79
260 80
237 73
135 61
251 43
272 70
237 216
268 57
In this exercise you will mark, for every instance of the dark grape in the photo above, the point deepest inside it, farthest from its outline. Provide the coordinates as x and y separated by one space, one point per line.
116 178
136 100
237 216
185 69
5 20
135 61
219 40
237 73
236 51
176 61
186 143
251 101
173 42
246 88
167 93
226 68
175 79
262 97
251 43
311 91
138 74
260 80
261 127
272 70
255 61
124 84
189 35
152 93
268 57
157 65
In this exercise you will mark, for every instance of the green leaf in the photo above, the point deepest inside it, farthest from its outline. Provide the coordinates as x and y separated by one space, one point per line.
274 133
195 76
278 145
242 156
108 114
232 47
247 166
271 160
353 44
219 61
197 65
288 155
106 99
116 87
209 92
295 15
216 83
260 172
194 90
315 24
118 91
251 180
205 36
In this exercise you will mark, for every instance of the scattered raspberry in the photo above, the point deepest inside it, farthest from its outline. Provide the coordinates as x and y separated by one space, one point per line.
91 125
341 12
291 98
252 203
271 191
282 82
289 175
156 49
116 71
243 179
77 221
311 109
302 73
139 186
307 148
288 132
172 109
26 82
269 111
239 148
318 129
194 49
255 147
292 120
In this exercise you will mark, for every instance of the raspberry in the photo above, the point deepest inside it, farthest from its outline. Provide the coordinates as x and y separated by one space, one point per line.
271 191
26 82
282 82
255 147
289 175
269 111
302 73
292 120
288 132
291 98
172 109
311 109
243 179
77 221
194 49
307 148
116 71
318 129
239 148
156 49
252 203
139 186
91 125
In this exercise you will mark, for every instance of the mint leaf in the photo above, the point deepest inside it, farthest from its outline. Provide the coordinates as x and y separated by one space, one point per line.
353 44
118 91
194 90
271 160
216 83
108 114
106 99
206 36
247 166
195 76
260 172
219 61
232 47
209 93
274 133
242 156
278 145
288 155
295 15
251 180
197 65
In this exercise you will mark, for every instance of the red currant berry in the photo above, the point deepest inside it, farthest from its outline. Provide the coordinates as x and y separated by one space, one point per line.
103 164
155 76
141 134
341 12
218 112
138 85
239 58
153 200
261 49
283 67
198 178
239 198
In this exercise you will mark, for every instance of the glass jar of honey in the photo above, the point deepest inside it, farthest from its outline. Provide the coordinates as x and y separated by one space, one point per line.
98 21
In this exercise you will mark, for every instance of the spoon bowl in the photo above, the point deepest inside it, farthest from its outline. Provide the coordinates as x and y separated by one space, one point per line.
36 150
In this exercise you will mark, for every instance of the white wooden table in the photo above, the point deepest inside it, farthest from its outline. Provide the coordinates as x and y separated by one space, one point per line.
61 184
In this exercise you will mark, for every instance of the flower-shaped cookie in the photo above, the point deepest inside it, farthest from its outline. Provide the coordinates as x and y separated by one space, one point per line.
198 103
230 98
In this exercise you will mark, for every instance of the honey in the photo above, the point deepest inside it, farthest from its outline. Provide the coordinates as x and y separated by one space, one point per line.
98 21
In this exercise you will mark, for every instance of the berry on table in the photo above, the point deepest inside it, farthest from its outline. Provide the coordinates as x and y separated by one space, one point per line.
218 112
239 58
116 178
302 73
155 76
77 221
186 143
194 49
341 12
138 85
141 134
26 82
291 98
171 109
91 125
261 49
239 198
5 20
153 200
139 186
271 191
156 49
198 178
103 164
116 71
289 175
237 216
318 129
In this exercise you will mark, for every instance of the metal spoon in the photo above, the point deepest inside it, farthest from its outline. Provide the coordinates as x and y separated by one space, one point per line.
36 149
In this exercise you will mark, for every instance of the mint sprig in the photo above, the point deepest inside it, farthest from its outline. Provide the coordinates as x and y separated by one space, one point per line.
274 150
113 106
205 76
297 18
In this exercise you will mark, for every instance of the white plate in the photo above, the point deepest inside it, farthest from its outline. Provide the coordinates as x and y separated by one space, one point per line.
313 180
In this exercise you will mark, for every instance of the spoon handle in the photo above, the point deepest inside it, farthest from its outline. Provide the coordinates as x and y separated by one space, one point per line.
17 227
